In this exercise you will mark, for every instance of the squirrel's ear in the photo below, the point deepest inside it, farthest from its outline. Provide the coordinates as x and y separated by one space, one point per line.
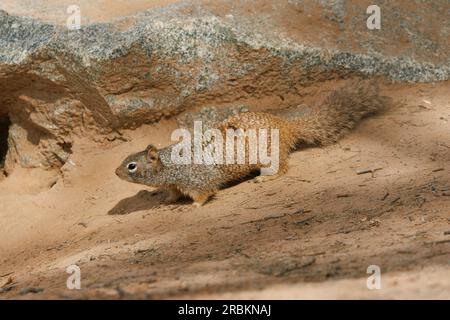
152 153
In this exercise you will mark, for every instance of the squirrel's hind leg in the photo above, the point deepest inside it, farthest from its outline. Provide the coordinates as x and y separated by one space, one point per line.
282 169
200 197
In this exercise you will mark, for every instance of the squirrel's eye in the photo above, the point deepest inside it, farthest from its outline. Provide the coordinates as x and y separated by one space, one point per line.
132 167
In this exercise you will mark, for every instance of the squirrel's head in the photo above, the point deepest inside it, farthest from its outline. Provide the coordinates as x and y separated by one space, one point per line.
140 167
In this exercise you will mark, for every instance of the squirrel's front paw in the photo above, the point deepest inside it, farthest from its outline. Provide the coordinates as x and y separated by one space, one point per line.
260 179
173 196
170 200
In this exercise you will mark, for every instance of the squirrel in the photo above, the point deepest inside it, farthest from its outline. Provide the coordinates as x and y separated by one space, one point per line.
339 113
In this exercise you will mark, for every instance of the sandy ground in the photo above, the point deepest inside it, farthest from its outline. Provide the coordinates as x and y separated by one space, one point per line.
310 234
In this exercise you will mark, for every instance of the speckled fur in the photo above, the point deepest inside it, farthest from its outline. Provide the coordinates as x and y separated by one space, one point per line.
340 112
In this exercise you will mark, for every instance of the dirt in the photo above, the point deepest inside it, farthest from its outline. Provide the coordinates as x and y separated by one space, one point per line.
381 196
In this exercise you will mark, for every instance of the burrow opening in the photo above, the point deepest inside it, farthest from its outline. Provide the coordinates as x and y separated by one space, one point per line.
4 129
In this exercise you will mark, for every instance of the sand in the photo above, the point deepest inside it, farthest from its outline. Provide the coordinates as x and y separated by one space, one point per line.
309 234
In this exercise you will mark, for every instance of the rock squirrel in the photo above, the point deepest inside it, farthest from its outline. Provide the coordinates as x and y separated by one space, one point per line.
339 113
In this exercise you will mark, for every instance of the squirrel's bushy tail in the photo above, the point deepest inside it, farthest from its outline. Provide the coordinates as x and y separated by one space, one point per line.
340 112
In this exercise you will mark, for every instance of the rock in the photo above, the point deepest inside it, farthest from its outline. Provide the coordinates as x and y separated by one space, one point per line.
58 83
209 116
